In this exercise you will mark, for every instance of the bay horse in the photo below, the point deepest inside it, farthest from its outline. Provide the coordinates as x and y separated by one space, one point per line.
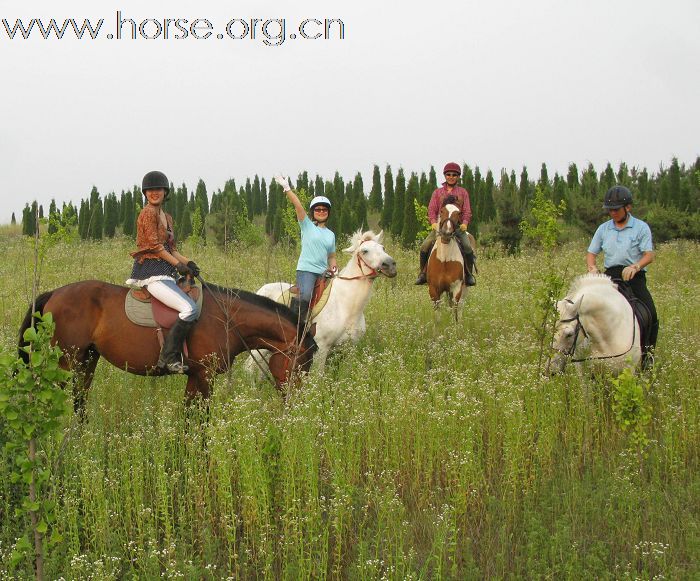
91 322
596 324
342 318
445 268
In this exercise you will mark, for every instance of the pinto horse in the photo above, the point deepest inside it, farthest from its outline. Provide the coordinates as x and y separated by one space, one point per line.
91 322
445 269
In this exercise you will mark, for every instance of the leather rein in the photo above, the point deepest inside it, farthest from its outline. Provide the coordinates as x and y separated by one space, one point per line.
579 327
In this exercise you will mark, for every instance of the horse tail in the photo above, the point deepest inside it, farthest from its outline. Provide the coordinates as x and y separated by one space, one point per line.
40 303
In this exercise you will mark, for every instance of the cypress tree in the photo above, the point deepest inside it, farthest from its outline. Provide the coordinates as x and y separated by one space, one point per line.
84 220
185 225
544 178
54 217
96 220
424 191
338 188
358 189
607 178
674 184
409 229
375 195
488 212
201 200
388 209
263 196
257 196
432 180
524 187
361 212
572 177
468 181
13 220
399 202
41 211
111 215
129 223
623 175
349 210
250 204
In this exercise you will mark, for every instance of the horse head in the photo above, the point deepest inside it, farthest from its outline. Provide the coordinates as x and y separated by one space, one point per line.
449 222
367 249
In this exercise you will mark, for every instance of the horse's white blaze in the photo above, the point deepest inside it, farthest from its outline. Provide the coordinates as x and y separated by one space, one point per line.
607 317
451 208
343 319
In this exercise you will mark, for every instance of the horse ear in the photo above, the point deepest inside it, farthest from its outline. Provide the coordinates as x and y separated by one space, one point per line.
380 236
577 305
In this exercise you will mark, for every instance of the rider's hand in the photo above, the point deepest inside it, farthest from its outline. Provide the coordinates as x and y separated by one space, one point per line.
193 267
284 182
183 269
331 272
629 271
463 227
592 270
434 226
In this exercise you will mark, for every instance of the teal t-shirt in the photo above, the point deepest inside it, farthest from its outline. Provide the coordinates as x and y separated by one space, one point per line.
316 244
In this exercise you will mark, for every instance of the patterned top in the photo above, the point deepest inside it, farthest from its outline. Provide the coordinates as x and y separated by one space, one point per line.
151 238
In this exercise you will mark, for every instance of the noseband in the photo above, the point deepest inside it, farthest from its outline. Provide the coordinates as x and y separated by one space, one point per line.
455 227
371 275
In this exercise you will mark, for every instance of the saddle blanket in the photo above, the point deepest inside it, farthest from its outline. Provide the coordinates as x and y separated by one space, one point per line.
140 311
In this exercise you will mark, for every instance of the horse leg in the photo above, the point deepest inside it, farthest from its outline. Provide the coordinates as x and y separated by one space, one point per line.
197 385
85 371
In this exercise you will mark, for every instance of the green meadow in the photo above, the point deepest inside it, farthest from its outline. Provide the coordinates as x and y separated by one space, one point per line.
430 450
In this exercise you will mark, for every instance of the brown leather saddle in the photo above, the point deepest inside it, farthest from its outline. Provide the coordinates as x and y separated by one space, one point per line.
162 315
321 283
145 310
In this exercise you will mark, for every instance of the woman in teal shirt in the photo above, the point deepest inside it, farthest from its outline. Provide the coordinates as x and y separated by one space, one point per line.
317 244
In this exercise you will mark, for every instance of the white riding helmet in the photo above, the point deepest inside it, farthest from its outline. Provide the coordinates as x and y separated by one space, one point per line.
320 201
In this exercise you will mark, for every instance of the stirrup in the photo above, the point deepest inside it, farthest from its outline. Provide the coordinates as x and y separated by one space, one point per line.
422 278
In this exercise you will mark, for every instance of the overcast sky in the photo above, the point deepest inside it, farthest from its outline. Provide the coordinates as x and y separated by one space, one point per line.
497 83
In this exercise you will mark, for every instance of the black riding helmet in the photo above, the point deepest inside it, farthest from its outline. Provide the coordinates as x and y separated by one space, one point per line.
155 180
617 197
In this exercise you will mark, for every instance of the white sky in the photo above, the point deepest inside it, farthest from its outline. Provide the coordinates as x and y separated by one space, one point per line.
497 83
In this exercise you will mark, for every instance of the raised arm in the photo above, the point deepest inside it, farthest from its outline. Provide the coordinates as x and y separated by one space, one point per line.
292 197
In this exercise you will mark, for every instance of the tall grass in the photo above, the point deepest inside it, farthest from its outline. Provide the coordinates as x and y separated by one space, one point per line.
429 450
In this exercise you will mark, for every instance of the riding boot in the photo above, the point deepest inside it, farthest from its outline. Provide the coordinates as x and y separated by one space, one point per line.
300 307
170 359
469 268
423 262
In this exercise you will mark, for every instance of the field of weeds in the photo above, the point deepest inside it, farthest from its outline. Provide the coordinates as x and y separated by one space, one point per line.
429 450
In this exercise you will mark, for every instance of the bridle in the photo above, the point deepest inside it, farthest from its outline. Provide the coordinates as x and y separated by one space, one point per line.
371 275
455 227
579 327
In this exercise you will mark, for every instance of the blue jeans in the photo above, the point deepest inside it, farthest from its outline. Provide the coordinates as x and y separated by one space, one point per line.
305 283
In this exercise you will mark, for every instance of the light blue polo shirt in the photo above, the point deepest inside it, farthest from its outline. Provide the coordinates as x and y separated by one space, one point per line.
622 246
316 244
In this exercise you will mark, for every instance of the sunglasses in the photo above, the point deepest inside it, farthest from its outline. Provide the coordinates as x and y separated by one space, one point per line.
320 209
451 174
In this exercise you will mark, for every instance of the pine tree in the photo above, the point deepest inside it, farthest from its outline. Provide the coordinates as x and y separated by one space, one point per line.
388 209
375 195
399 201
607 178
674 184
524 187
409 229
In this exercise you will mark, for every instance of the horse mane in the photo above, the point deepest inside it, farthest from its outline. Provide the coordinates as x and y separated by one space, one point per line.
588 280
258 300
449 200
359 237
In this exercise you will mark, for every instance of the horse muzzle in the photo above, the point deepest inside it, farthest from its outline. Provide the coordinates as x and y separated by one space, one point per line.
388 268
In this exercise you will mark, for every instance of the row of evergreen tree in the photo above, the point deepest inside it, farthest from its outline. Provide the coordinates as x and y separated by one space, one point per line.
396 199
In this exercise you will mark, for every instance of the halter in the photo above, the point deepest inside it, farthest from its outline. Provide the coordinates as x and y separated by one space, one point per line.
579 327
373 272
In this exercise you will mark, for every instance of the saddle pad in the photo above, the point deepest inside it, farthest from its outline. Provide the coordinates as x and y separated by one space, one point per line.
286 299
141 313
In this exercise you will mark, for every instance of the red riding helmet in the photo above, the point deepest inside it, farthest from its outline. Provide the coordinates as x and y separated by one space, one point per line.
452 166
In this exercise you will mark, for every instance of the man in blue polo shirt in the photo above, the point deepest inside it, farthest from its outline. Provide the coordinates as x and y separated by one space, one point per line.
626 243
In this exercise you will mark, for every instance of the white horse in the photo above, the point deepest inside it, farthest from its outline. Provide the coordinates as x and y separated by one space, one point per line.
342 318
596 324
